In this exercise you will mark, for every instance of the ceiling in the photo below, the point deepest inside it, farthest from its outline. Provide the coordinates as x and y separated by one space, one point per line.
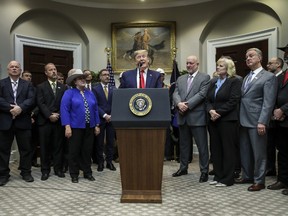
131 4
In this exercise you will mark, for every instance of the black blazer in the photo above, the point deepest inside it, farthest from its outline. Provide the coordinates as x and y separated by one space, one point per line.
25 99
226 102
47 102
282 98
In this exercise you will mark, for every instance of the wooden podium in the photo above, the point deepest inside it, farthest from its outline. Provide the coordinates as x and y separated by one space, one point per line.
141 142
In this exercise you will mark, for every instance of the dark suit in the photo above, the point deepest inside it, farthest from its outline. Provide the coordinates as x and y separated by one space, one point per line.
256 106
129 79
51 134
193 123
106 128
224 130
19 127
282 131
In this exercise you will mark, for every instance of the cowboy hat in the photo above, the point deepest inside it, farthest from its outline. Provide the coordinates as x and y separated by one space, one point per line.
73 74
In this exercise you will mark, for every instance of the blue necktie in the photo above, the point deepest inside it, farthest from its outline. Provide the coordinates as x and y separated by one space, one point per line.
248 81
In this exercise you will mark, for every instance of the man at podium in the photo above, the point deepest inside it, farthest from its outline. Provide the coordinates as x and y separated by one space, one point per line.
141 76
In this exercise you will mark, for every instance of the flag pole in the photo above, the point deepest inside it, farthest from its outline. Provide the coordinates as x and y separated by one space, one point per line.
109 67
174 52
108 51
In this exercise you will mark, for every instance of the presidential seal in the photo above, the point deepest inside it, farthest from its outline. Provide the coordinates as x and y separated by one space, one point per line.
140 104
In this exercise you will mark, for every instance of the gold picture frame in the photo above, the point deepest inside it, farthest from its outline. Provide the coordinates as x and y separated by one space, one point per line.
157 37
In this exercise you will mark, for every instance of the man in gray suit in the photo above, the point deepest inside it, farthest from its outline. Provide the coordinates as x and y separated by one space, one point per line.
189 97
259 90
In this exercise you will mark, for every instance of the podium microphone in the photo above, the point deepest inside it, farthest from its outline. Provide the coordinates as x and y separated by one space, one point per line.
140 64
139 67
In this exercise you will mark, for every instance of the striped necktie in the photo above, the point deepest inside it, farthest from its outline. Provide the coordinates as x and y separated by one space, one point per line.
248 81
189 82
14 88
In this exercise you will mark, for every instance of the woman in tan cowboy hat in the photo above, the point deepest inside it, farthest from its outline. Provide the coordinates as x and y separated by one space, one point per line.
79 115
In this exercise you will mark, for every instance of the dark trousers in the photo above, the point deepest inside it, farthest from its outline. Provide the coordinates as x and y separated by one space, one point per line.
106 130
282 146
80 148
271 149
51 146
200 135
222 139
23 138
35 142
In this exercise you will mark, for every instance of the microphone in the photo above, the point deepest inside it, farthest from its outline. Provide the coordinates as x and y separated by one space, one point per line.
140 64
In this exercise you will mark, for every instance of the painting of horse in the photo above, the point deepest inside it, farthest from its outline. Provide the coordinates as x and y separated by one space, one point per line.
157 38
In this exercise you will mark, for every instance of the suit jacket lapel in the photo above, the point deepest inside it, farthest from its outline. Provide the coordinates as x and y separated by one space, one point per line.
223 85
148 79
20 87
48 86
256 78
9 86
110 92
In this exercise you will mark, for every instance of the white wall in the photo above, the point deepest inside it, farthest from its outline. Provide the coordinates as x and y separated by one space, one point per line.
92 27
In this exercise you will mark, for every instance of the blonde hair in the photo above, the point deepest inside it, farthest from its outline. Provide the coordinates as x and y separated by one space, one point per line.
230 66
137 52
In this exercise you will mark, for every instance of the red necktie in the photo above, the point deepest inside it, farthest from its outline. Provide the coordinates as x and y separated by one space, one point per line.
285 77
142 81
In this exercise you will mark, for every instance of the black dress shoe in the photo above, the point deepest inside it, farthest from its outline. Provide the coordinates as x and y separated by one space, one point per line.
212 172
243 181
110 166
203 177
89 177
28 178
74 179
3 181
44 176
180 173
100 167
277 186
285 192
60 174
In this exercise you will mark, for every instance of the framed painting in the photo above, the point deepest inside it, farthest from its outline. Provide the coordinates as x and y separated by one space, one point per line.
156 37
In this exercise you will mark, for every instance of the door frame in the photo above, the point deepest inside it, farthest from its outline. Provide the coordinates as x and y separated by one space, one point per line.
21 40
270 34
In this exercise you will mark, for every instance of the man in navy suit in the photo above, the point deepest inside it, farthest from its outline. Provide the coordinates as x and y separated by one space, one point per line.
17 98
103 93
132 78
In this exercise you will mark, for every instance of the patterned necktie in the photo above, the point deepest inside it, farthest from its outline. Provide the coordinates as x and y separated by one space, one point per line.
189 82
106 92
248 81
14 88
54 88
87 111
142 81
